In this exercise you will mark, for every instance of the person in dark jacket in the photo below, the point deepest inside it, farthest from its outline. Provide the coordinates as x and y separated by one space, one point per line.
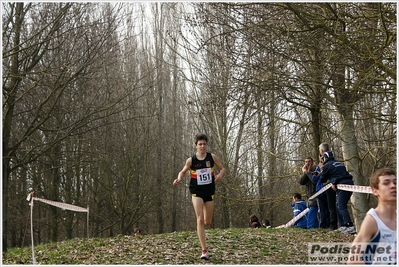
298 205
327 201
266 223
254 221
306 179
336 173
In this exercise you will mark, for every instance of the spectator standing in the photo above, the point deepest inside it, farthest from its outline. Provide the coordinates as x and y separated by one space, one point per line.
330 194
306 179
322 200
336 173
298 205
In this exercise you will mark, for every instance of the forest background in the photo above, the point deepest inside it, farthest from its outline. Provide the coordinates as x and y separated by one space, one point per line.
101 102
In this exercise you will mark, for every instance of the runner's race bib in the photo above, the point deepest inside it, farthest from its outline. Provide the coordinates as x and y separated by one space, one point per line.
204 176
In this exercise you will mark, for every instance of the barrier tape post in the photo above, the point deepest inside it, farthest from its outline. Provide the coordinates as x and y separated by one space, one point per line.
30 199
64 206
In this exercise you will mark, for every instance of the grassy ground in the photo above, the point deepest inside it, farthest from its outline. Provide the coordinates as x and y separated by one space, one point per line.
226 247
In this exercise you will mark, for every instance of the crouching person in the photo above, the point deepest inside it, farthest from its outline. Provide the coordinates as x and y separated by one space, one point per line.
298 205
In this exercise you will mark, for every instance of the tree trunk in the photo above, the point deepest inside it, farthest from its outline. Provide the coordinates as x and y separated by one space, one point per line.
159 51
349 145
353 164
8 109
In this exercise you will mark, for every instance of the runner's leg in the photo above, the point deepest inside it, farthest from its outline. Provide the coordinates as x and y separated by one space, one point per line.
208 212
198 204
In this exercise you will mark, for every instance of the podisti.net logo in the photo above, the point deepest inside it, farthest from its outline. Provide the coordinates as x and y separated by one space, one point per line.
376 253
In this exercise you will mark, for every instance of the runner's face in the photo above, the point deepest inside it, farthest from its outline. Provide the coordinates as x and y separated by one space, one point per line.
201 146
386 188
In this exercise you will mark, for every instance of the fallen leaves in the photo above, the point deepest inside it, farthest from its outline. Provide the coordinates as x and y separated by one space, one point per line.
226 247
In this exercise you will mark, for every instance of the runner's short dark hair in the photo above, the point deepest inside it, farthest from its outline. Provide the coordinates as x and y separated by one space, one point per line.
200 136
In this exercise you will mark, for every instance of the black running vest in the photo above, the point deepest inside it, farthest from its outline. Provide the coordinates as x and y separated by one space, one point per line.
202 174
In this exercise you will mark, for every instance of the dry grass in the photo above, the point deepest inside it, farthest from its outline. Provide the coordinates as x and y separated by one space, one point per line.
226 247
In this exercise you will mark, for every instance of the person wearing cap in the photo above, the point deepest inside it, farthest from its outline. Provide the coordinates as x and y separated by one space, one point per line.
327 200
335 171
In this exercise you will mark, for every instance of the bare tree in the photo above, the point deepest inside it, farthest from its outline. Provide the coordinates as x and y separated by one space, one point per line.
44 74
307 70
101 102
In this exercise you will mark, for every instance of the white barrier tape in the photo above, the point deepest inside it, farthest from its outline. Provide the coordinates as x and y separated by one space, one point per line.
61 205
296 218
346 187
321 191
355 188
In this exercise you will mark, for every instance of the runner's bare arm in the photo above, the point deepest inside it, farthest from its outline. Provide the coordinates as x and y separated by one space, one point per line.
183 172
367 231
222 170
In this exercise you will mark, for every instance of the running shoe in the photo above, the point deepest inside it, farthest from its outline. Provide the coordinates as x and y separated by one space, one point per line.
350 230
205 255
341 229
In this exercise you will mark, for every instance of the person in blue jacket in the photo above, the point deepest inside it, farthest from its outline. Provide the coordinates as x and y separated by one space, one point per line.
322 200
335 171
298 205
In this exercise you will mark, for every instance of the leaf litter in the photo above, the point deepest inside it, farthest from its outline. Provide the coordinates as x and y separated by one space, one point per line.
286 246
